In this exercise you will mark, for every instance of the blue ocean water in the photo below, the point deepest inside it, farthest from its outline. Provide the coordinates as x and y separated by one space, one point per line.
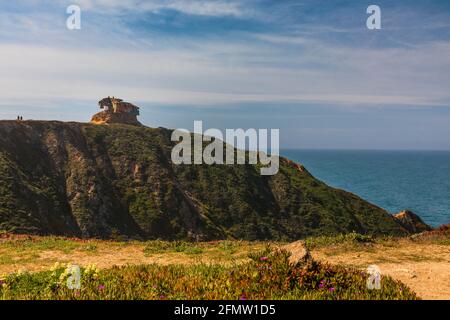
394 180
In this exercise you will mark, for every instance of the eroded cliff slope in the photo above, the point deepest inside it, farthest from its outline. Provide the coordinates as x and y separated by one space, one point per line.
87 180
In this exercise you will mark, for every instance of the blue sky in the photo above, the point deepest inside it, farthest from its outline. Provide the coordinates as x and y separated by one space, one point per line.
310 68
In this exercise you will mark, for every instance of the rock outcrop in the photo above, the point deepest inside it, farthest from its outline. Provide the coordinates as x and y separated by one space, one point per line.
116 111
299 252
105 117
411 222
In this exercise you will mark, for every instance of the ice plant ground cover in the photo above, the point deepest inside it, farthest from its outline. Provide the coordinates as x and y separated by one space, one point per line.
268 275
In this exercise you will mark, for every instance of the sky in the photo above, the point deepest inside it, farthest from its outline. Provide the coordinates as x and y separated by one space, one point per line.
309 68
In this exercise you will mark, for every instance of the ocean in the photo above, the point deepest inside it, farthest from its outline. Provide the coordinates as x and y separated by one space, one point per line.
394 180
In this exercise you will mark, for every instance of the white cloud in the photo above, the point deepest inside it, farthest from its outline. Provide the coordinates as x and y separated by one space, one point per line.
205 8
193 7
245 68
201 76
280 39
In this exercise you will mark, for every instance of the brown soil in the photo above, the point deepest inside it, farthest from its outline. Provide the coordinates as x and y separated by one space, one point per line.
425 268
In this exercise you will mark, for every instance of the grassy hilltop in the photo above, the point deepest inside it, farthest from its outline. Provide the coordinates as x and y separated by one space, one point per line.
110 181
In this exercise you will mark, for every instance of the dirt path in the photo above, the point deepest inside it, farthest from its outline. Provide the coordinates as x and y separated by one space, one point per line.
425 268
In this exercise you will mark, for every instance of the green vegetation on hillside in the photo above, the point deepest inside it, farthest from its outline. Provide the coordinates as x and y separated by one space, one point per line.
117 181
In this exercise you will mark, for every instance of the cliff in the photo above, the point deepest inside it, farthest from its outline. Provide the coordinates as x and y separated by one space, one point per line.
104 117
79 179
411 221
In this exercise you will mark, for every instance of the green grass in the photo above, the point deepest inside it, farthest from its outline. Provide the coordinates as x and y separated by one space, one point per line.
352 238
90 248
6 259
42 244
157 246
268 275
229 247
226 247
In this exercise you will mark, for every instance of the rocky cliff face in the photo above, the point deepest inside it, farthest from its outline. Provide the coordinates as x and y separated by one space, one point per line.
411 222
89 180
104 117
